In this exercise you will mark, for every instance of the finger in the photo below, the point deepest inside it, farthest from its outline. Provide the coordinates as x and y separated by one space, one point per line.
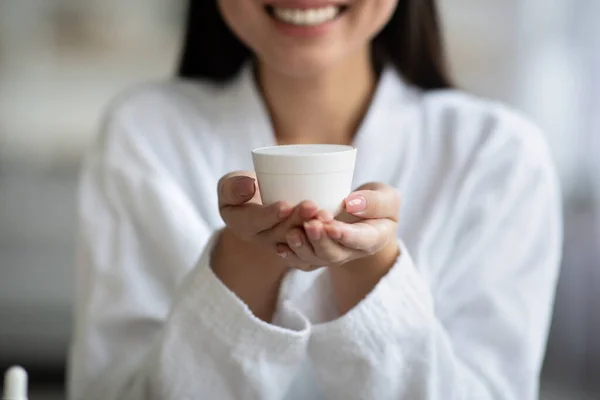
251 219
304 211
236 188
307 210
324 247
286 253
325 216
374 201
369 236
298 242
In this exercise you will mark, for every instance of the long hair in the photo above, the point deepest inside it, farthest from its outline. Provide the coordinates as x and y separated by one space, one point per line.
411 41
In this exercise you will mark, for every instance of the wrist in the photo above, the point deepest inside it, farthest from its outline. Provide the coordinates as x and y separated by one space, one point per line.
234 251
249 271
376 265
354 280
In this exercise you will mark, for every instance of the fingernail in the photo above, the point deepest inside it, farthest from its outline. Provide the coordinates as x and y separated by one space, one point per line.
294 240
282 254
356 204
244 186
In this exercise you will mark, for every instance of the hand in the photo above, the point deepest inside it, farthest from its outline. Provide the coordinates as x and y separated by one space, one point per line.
244 257
367 226
245 216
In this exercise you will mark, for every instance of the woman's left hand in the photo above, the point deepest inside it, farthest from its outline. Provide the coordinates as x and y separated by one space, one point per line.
366 226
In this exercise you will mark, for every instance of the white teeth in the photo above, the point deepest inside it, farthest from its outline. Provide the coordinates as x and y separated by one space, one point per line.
310 17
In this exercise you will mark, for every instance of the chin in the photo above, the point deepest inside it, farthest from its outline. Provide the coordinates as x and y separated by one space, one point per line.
303 63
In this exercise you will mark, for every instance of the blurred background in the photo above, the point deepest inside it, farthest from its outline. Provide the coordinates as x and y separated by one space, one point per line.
61 61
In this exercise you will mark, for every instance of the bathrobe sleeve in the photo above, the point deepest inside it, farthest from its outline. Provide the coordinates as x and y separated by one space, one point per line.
152 321
474 326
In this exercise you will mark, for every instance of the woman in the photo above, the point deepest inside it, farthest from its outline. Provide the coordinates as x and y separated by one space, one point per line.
186 291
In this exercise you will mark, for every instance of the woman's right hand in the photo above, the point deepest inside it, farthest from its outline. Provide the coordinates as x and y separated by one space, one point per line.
245 258
241 208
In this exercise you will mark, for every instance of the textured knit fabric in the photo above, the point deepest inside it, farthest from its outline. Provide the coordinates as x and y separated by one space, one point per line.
463 314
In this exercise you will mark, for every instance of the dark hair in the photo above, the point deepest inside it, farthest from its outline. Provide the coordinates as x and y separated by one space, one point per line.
411 41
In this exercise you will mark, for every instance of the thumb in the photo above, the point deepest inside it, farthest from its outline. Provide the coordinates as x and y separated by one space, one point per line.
374 202
236 188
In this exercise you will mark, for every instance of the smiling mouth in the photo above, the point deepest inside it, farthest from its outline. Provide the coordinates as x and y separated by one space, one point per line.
306 17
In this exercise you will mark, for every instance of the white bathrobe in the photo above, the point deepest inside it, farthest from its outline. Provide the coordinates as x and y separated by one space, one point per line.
463 314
